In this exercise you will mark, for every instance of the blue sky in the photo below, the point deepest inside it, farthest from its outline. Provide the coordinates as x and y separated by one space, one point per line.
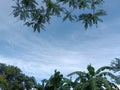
64 46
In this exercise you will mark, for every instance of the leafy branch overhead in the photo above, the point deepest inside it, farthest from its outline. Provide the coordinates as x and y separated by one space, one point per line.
38 13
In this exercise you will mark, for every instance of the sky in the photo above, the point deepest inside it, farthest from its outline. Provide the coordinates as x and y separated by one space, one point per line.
64 46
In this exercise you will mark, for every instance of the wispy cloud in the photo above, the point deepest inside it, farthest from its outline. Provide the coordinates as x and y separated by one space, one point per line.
65 47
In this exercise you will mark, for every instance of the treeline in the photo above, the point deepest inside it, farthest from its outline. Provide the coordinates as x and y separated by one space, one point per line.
104 78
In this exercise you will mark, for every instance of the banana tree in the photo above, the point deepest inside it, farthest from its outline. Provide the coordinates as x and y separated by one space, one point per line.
94 80
56 82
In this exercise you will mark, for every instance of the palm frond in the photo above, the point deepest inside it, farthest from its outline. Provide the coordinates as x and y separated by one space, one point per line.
103 68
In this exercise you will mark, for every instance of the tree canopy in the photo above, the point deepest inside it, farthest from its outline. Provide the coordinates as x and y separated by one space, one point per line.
37 14
11 78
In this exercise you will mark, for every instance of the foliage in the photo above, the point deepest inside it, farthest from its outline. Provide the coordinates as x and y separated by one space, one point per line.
116 68
55 81
11 78
3 82
37 13
116 64
94 80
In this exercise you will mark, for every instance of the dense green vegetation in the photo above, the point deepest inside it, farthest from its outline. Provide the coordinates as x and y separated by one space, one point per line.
12 78
39 13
